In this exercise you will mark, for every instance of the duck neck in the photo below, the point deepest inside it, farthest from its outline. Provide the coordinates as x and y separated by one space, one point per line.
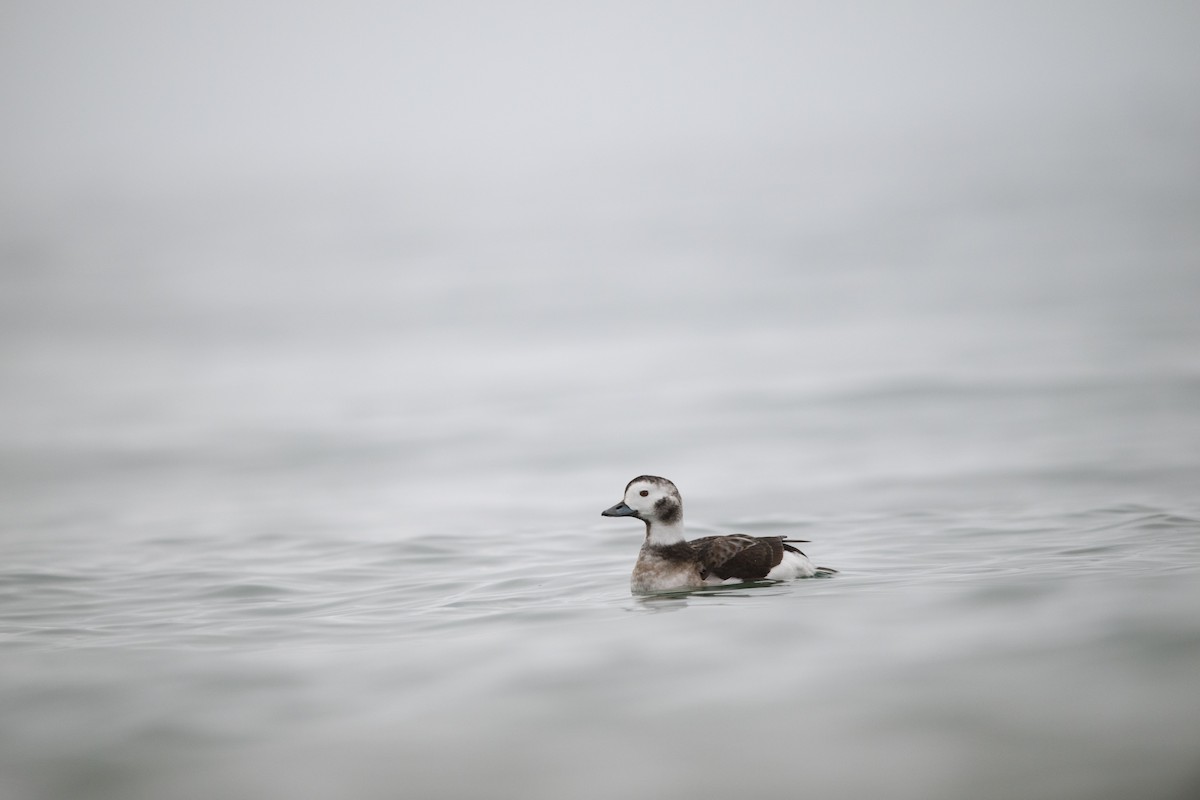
661 534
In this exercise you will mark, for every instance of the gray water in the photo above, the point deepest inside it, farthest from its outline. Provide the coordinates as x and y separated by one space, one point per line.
301 473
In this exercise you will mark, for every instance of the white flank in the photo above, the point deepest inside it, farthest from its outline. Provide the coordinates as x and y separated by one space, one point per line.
793 565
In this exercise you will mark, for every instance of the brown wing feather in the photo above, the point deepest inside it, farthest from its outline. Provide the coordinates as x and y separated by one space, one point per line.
739 556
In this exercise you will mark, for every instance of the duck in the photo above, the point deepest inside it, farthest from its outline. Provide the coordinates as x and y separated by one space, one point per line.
668 562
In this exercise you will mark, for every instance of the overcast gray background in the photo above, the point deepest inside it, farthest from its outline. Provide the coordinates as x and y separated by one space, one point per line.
327 330
133 98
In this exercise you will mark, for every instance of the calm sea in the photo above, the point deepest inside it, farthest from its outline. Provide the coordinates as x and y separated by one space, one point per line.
300 488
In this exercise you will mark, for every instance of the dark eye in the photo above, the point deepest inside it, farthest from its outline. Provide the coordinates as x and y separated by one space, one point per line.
644 492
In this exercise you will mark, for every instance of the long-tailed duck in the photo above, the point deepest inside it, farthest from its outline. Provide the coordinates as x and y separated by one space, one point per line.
669 562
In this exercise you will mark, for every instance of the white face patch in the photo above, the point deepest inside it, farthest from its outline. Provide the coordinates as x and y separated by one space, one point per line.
657 501
641 497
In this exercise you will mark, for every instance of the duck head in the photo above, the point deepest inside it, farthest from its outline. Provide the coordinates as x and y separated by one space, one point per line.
651 499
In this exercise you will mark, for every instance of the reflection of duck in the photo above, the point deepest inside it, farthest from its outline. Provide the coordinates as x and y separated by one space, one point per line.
668 562
661 603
